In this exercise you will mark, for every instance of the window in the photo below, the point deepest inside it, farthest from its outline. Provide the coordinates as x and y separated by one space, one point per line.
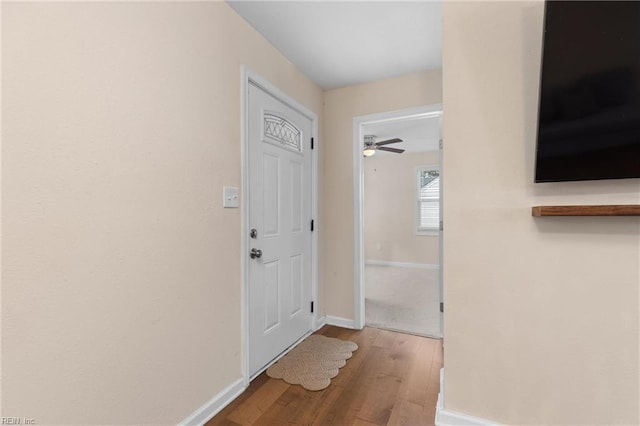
428 199
279 129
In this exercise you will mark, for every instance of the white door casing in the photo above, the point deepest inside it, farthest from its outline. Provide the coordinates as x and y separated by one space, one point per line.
280 210
441 232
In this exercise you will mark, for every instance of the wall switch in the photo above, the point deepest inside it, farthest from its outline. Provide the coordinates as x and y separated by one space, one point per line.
230 197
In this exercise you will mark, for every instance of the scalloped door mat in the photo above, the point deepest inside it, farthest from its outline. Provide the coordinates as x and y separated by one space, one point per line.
314 362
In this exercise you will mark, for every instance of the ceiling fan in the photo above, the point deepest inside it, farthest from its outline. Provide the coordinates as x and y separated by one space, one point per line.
371 146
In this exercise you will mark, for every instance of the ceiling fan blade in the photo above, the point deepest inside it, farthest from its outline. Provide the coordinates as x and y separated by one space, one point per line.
384 148
389 141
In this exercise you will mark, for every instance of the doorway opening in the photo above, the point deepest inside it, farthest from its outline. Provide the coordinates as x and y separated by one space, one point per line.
398 227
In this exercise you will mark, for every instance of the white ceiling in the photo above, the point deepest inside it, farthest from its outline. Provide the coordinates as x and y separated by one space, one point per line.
341 43
417 134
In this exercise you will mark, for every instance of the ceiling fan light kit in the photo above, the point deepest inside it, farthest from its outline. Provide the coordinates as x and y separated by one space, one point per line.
371 146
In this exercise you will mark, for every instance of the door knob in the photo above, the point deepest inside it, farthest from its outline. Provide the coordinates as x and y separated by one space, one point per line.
255 253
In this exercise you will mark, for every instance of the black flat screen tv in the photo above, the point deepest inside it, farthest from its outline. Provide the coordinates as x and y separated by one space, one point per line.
589 106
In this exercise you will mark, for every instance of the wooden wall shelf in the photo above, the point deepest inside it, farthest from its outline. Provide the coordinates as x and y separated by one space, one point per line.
604 210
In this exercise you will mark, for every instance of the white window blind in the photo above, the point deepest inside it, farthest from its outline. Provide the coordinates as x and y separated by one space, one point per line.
428 199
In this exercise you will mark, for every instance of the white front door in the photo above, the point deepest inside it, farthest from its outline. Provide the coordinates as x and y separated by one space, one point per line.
280 227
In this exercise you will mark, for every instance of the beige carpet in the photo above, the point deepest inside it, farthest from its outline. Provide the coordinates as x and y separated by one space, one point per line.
403 299
314 362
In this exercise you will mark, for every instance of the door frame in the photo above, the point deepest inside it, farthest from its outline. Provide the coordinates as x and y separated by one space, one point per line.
359 122
248 76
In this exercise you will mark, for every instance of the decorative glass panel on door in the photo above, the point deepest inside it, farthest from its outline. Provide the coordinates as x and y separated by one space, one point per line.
281 131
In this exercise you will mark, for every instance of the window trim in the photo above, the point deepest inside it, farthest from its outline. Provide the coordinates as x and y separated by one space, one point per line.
416 196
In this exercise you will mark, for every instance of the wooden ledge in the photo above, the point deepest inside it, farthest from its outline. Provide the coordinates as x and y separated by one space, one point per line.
603 210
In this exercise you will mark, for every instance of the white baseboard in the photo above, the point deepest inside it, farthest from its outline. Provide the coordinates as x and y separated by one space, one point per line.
402 264
320 322
340 322
215 404
451 418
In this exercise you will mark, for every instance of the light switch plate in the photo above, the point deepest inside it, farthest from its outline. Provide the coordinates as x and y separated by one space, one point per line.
230 197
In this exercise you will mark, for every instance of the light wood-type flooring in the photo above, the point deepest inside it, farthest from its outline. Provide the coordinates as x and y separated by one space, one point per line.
392 379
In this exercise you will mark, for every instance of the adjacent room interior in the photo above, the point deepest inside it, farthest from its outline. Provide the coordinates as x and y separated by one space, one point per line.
402 225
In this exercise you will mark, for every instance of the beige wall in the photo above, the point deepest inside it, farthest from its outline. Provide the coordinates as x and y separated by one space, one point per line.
541 318
121 286
340 107
390 209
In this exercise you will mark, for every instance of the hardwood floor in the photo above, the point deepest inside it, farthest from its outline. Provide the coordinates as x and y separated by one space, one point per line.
392 379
